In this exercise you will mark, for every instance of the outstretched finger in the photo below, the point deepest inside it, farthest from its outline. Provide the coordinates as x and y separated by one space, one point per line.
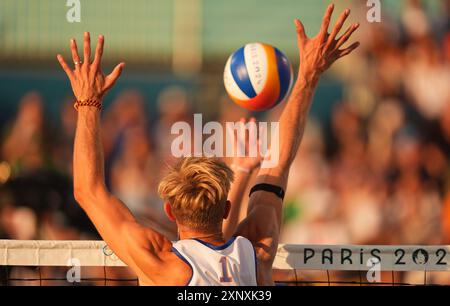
98 52
113 76
65 67
252 141
343 39
240 138
231 134
347 51
326 21
248 132
244 137
75 56
87 49
262 139
301 35
337 27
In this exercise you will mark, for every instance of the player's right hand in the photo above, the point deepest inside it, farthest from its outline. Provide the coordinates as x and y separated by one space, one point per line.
317 54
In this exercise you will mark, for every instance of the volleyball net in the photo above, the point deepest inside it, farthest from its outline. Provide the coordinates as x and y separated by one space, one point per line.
67 263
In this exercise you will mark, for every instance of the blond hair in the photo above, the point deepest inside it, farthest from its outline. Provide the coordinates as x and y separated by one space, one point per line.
197 190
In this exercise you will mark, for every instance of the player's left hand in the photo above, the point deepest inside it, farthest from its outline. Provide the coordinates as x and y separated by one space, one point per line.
87 78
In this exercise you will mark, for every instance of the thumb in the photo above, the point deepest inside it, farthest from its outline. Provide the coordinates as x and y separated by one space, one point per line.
113 76
301 35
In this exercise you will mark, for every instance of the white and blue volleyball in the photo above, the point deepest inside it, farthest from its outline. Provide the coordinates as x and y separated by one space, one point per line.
258 76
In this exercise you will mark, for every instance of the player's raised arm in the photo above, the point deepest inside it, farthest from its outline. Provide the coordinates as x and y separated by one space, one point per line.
243 167
111 217
262 226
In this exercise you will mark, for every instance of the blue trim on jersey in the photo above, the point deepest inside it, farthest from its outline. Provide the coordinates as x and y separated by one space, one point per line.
284 74
216 247
186 261
240 73
256 265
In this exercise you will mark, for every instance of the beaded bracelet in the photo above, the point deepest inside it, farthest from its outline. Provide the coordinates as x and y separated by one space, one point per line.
88 102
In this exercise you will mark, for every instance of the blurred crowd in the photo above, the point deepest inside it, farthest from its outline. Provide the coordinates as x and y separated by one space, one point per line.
377 172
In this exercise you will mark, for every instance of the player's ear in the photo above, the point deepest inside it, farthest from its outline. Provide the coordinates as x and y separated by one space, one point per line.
227 209
168 211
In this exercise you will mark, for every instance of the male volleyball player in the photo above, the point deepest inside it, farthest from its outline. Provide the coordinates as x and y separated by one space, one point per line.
196 189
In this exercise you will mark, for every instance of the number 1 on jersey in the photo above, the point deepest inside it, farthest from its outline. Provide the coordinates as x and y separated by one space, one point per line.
225 278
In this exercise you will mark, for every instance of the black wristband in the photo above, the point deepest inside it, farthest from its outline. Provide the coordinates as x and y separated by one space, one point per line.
278 191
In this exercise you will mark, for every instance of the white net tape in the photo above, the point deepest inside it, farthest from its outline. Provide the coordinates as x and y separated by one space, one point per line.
301 257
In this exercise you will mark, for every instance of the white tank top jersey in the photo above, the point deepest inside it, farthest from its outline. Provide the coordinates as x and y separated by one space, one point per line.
230 264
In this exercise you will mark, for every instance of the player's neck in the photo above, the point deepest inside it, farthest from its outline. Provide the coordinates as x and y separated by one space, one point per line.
209 237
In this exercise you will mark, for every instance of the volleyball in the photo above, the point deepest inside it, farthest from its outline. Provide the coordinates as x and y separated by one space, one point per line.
258 76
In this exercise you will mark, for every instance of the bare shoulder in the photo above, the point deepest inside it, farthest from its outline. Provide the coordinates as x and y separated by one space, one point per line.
174 272
167 269
154 262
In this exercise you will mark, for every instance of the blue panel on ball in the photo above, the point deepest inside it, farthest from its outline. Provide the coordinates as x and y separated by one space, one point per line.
240 73
284 74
